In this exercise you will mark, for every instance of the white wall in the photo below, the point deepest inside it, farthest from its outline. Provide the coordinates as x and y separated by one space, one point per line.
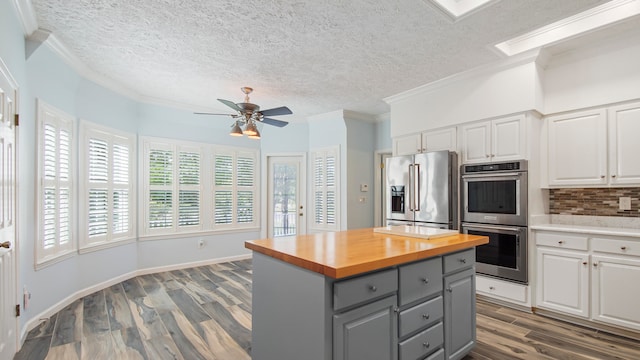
604 74
508 90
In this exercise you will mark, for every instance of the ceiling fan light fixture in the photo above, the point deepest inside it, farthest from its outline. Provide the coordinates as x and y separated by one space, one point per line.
236 130
256 136
251 128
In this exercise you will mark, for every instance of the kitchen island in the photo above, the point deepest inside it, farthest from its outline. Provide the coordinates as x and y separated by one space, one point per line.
359 294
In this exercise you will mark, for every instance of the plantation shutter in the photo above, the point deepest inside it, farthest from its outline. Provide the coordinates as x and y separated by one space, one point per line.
189 191
161 190
223 193
325 189
55 185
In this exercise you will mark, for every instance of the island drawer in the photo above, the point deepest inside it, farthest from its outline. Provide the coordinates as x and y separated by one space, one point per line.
438 355
420 280
460 260
420 316
422 343
364 288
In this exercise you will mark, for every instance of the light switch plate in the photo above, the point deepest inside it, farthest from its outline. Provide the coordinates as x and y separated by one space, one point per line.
625 203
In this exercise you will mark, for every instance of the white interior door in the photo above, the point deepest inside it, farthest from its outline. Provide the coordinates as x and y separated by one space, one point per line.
8 320
286 202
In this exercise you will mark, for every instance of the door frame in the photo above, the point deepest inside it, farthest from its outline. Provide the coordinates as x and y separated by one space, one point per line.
266 185
379 185
4 71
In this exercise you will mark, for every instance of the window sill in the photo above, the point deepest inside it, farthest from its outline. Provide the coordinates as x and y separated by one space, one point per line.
196 233
89 248
54 259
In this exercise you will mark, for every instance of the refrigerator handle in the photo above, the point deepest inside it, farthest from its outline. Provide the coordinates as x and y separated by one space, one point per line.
411 187
416 187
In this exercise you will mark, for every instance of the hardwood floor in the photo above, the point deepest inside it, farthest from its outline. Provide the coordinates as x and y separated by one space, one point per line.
205 313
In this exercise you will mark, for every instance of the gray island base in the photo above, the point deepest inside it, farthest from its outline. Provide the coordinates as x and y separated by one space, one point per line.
419 310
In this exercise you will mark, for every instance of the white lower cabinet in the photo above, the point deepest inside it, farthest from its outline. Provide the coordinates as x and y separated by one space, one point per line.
563 281
616 290
592 277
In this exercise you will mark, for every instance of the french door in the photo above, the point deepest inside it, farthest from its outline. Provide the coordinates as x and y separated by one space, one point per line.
286 196
8 281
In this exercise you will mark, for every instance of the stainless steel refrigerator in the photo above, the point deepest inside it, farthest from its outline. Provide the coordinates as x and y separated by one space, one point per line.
422 190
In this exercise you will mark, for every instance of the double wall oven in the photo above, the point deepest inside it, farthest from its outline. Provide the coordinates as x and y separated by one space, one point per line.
494 204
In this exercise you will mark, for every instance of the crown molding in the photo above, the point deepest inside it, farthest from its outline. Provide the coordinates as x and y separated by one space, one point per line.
500 65
59 48
573 26
27 16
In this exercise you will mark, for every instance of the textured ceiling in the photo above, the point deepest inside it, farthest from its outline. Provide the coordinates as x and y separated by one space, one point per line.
313 56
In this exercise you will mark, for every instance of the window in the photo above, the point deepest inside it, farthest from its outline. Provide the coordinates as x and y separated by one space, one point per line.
173 186
55 187
325 182
107 176
234 188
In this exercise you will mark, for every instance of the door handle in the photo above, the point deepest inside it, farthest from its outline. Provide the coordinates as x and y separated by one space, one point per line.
6 245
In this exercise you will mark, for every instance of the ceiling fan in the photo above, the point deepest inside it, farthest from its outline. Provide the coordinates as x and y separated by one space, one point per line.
249 114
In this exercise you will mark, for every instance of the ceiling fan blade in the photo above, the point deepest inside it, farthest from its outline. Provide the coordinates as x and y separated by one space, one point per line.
283 110
274 122
230 104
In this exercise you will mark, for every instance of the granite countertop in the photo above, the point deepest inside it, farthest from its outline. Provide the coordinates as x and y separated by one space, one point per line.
352 252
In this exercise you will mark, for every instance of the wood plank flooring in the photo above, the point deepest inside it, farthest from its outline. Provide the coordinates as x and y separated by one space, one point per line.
205 313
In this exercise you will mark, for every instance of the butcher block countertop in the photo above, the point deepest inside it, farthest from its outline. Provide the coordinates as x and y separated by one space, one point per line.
352 252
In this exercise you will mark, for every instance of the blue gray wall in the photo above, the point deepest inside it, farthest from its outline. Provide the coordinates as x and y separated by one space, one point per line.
43 75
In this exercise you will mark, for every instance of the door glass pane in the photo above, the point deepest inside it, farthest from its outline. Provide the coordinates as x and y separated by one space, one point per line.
285 199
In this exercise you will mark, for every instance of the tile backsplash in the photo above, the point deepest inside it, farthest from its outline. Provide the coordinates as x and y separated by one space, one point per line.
593 201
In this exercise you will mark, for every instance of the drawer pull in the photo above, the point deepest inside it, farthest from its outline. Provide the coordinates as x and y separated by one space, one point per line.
492 288
623 248
373 288
426 345
425 316
425 280
560 242
464 261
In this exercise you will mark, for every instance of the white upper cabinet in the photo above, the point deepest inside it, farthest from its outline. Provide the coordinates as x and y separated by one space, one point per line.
624 146
577 148
444 139
596 147
496 140
407 145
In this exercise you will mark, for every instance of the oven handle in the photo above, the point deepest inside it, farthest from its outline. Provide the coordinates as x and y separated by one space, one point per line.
503 228
494 175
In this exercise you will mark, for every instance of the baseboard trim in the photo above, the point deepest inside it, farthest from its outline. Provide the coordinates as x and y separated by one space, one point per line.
504 303
36 320
624 332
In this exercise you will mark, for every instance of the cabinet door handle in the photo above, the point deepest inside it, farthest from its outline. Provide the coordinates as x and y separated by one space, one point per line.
595 264
584 263
425 316
491 288
373 288
601 176
613 176
487 155
425 280
449 289
623 248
